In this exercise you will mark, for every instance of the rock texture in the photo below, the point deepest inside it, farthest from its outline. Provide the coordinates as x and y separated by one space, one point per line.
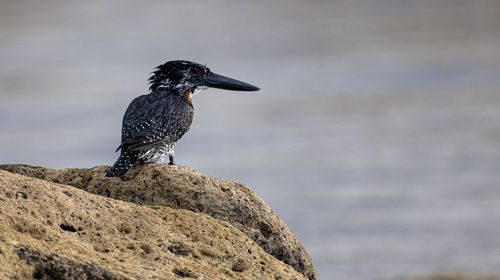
183 188
55 231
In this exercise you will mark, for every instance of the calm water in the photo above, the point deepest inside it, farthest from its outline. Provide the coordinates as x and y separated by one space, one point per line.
376 136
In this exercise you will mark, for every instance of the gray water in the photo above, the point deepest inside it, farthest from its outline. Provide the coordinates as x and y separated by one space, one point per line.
376 136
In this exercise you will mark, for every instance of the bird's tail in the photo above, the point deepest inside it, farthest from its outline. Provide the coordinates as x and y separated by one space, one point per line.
126 160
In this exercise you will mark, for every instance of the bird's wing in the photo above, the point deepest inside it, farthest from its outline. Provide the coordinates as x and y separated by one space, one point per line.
144 123
149 123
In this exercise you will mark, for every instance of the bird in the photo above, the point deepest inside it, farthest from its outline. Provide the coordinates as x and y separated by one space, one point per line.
154 122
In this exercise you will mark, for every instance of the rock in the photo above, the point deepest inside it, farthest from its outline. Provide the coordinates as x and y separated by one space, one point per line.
184 188
55 231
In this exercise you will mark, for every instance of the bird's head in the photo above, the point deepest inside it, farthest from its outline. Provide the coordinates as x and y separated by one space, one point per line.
184 76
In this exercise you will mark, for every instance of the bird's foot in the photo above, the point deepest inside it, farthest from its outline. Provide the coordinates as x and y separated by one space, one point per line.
171 160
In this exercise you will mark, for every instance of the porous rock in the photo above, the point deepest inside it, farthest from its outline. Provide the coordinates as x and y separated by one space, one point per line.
183 188
55 231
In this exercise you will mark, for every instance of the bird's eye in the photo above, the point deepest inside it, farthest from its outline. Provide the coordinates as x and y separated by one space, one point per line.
197 71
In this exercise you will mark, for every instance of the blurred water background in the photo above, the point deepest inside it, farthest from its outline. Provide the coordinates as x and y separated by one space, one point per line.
376 136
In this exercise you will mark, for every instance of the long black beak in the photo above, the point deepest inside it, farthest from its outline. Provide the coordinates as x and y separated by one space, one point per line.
222 82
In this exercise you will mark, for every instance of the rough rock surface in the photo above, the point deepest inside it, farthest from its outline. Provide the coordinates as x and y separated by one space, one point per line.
184 188
55 231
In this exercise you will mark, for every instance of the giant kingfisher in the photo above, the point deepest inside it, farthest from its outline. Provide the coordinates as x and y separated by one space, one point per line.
153 123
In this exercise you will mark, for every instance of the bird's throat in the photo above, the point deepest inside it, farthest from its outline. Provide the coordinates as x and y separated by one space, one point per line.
188 96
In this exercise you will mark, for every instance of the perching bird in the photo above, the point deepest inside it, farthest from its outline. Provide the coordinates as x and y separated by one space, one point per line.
154 122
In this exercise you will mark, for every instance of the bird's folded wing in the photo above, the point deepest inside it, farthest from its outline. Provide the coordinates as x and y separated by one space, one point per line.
146 124
144 135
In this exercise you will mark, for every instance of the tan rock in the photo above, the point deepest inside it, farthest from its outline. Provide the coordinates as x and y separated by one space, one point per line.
184 188
55 231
